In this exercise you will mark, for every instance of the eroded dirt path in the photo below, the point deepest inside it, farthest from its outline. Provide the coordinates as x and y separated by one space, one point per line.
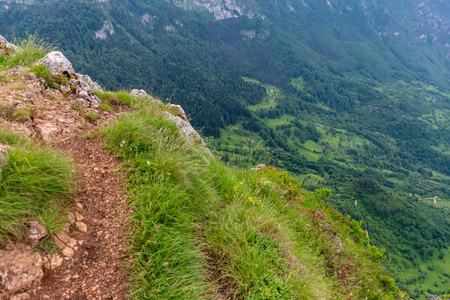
96 270
91 260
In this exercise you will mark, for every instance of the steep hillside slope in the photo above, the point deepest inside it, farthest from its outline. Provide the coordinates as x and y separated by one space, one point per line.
349 95
199 229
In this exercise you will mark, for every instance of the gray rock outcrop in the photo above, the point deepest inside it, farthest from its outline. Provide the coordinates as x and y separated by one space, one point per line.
143 94
92 84
180 111
180 119
185 127
84 91
20 270
7 48
139 93
258 167
58 64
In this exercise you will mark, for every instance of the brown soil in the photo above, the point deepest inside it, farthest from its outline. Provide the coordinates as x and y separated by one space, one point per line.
96 270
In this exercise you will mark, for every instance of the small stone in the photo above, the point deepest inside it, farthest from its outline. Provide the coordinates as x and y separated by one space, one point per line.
72 218
36 232
62 239
72 243
79 217
46 262
65 88
56 261
94 288
68 252
46 130
82 226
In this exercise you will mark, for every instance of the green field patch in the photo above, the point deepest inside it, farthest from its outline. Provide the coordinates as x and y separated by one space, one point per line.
298 83
268 102
273 123
311 156
432 276
234 136
310 179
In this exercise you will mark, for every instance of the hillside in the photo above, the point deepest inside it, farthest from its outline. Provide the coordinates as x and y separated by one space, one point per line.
347 95
192 227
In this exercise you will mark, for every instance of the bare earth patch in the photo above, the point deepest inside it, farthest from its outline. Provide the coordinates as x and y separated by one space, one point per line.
96 269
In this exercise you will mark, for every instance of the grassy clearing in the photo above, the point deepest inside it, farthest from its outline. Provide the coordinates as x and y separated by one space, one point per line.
35 184
298 83
204 230
272 98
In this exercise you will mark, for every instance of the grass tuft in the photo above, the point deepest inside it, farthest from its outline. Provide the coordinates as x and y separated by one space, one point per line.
35 184
50 80
32 49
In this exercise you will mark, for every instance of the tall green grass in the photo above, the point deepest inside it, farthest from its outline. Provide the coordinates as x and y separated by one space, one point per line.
35 184
32 49
205 230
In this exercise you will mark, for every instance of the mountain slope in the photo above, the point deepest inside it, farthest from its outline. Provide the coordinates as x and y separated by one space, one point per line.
199 229
339 90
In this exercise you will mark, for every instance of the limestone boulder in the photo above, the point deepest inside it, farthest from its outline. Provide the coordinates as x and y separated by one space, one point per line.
20 270
94 86
57 63
139 93
184 126
179 110
84 86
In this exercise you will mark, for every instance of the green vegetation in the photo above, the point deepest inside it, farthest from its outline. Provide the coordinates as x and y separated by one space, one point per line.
353 101
50 80
22 113
113 101
35 185
31 50
91 116
204 229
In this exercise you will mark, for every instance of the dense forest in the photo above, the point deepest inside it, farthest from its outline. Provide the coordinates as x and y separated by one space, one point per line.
312 88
